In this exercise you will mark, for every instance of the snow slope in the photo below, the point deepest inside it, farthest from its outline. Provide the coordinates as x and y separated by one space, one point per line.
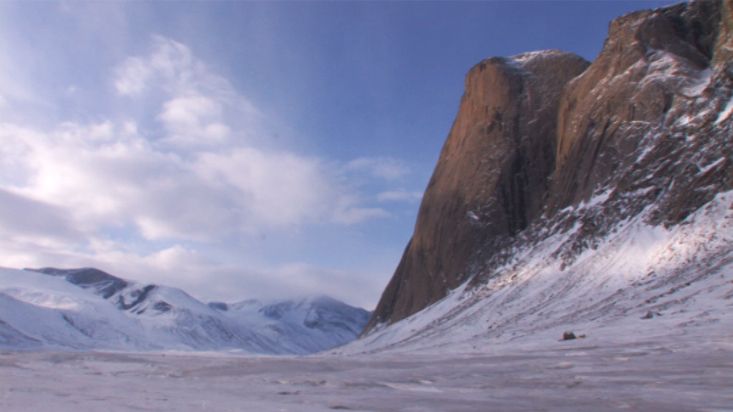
639 282
88 309
654 375
635 239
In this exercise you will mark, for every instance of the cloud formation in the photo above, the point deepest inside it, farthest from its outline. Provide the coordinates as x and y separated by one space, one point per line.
135 193
25 218
198 178
381 167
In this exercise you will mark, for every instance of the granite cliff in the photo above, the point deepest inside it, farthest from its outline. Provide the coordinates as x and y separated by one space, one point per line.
544 142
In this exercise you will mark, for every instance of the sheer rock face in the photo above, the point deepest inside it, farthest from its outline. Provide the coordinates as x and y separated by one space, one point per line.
491 177
541 136
653 67
648 127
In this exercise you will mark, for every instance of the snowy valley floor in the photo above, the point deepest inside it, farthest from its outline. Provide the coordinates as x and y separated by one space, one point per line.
655 303
683 374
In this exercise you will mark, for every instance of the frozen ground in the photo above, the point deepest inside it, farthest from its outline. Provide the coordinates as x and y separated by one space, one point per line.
656 305
683 374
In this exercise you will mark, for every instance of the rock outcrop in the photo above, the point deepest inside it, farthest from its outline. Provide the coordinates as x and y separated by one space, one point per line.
652 68
541 137
491 177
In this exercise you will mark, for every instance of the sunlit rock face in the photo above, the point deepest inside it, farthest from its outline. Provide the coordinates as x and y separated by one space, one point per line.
544 142
491 178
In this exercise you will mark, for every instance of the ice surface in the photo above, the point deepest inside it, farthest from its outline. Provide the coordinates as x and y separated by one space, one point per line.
582 375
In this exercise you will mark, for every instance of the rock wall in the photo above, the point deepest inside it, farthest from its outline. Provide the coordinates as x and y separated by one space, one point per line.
648 124
491 177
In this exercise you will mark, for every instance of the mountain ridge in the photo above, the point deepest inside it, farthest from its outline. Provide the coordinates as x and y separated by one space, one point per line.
90 309
644 130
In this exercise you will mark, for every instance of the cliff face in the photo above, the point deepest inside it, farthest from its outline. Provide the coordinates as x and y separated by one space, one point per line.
653 68
490 179
647 125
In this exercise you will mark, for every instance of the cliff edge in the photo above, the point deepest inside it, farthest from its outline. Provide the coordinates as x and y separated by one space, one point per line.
544 142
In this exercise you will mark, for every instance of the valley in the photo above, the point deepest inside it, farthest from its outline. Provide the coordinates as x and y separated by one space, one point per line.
687 373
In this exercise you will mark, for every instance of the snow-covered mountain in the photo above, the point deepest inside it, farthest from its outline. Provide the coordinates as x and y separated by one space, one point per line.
90 309
575 196
641 282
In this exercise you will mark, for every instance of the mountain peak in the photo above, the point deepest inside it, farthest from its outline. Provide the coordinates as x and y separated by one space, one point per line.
89 308
491 177
545 142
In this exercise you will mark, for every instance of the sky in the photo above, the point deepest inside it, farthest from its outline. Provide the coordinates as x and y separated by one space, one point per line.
243 149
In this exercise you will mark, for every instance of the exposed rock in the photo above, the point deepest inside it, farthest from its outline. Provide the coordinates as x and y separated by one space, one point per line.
104 283
648 124
652 66
543 143
491 178
220 306
651 314
568 335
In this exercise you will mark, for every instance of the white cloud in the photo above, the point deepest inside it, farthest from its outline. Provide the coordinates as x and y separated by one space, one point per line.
25 218
132 77
172 68
173 187
196 176
170 65
194 120
356 287
276 188
381 167
198 107
175 259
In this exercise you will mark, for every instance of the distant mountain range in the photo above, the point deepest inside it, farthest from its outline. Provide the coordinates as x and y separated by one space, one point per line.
83 309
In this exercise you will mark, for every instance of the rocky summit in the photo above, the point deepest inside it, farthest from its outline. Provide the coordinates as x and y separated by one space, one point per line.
544 142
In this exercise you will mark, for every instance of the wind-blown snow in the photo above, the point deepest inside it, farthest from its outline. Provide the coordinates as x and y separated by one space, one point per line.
523 59
725 114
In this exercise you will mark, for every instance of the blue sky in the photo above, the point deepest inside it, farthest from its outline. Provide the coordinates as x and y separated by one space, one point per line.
242 149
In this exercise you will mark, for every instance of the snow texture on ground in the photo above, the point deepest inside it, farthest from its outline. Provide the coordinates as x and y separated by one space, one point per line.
591 374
